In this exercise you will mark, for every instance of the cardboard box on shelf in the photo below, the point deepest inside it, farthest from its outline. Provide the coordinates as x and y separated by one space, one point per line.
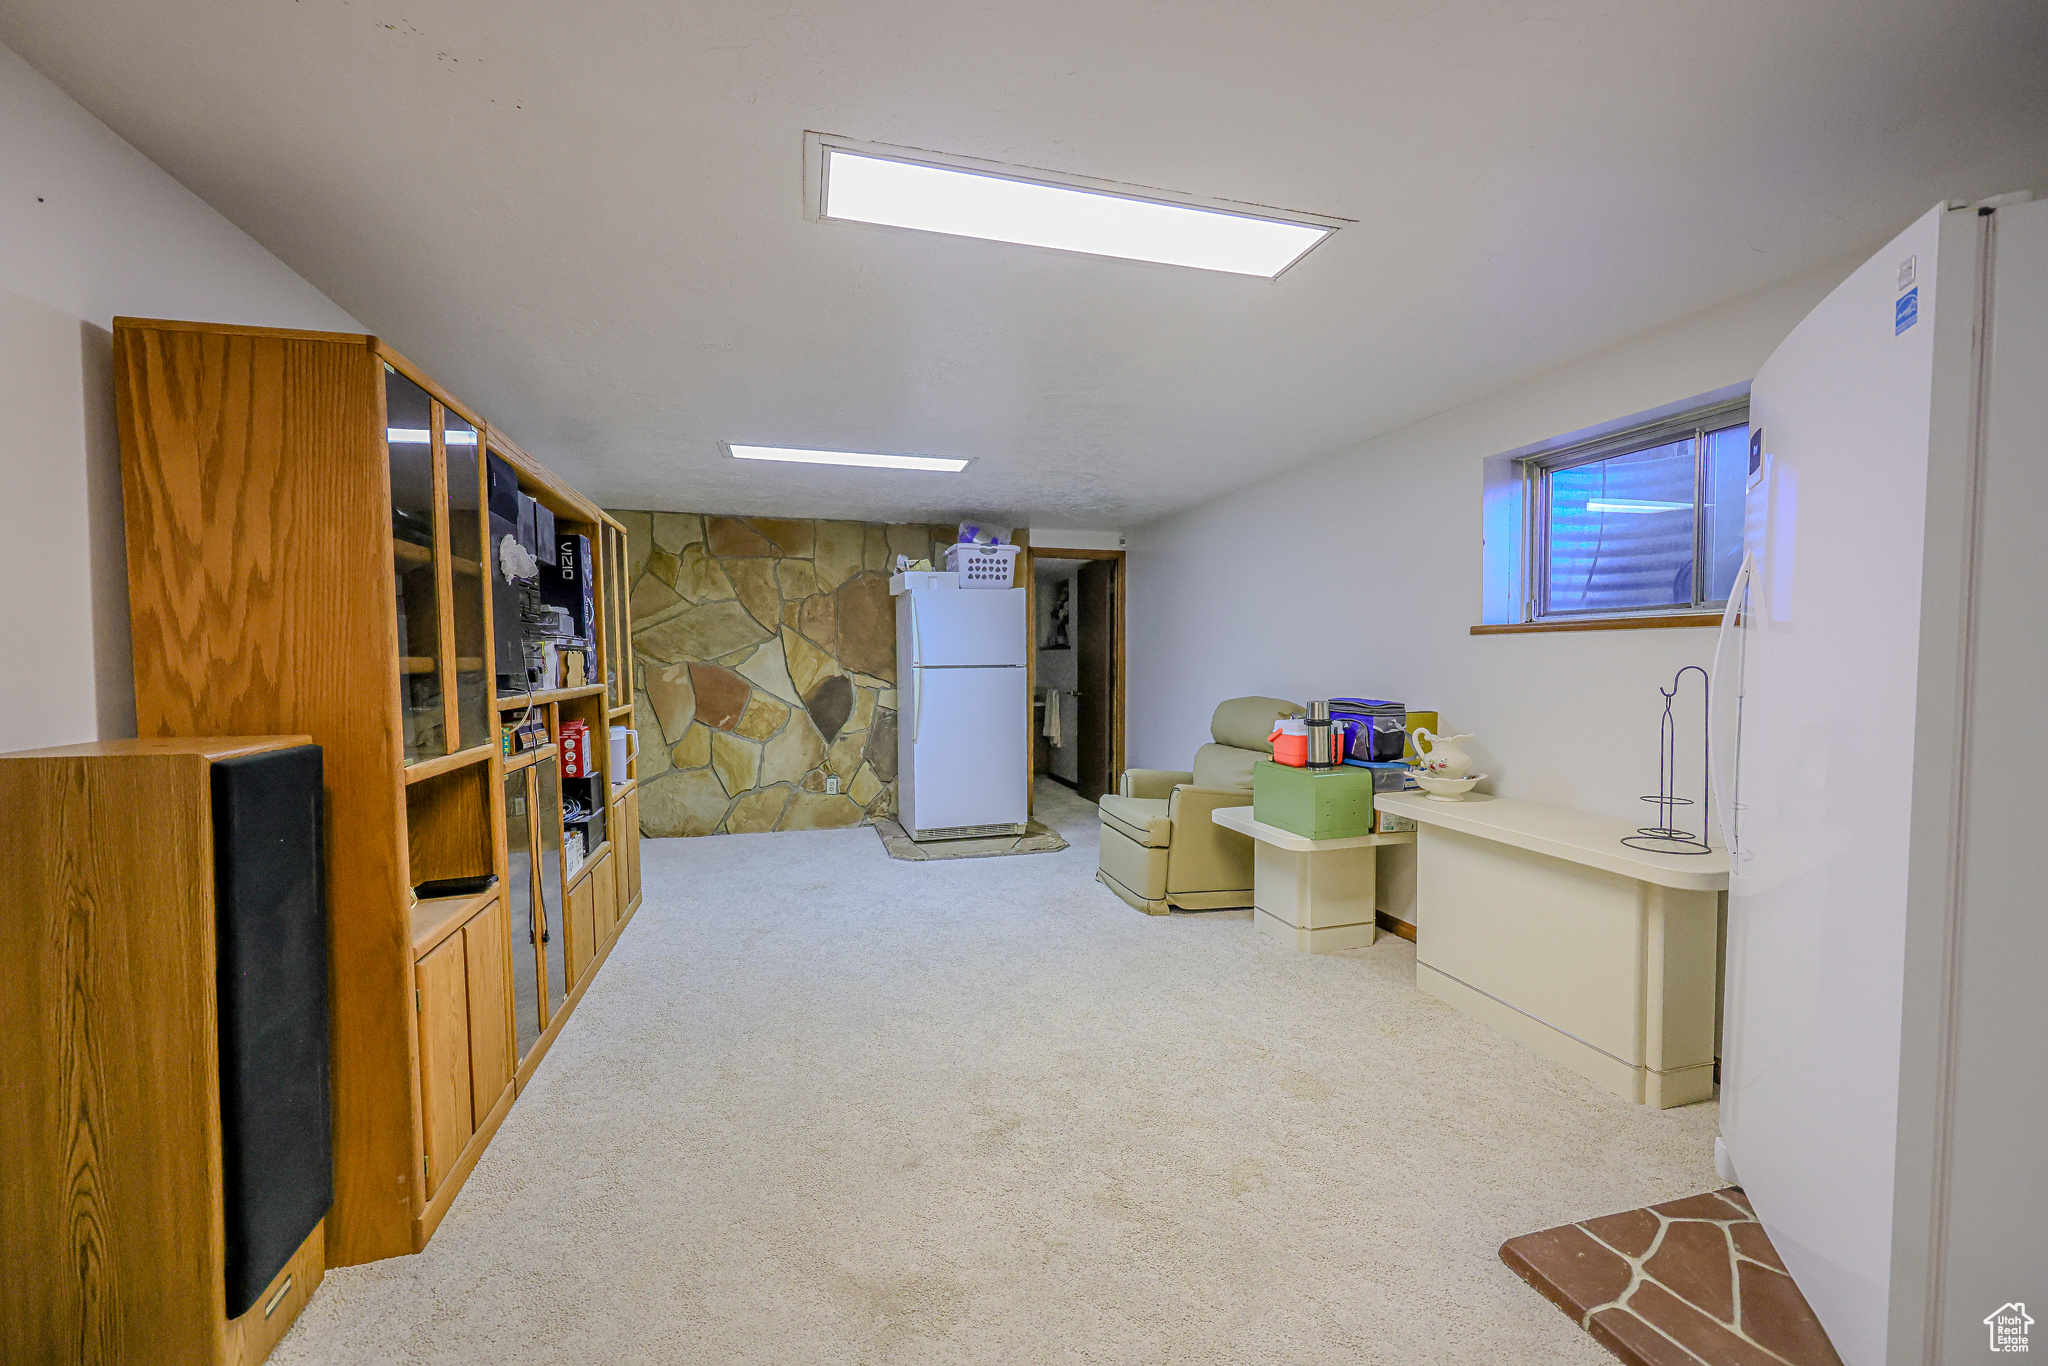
576 757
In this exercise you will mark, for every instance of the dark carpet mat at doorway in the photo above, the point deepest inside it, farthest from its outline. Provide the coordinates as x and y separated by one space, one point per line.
1038 838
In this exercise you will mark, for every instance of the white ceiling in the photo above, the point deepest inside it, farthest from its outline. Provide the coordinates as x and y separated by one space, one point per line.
587 219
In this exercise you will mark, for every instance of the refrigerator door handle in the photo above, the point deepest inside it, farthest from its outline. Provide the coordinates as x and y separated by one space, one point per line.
1724 792
916 655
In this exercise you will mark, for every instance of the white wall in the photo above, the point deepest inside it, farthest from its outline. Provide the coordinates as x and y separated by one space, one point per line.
1359 575
90 228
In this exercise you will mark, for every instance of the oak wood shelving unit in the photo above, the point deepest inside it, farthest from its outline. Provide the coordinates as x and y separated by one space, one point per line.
308 553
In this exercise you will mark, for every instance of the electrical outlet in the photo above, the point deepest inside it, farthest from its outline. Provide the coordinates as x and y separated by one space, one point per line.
832 785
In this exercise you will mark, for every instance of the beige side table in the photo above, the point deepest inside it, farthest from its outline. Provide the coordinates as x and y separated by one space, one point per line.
1539 921
1316 896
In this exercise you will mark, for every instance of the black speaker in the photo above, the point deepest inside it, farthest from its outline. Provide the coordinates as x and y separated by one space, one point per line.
501 489
271 959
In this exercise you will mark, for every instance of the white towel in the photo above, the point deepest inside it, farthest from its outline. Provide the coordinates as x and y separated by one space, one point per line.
1052 716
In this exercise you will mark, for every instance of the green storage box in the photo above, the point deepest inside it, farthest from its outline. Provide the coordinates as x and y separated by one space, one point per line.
1328 804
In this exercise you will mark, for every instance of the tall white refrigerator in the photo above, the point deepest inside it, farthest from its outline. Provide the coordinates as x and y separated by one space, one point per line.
963 720
1881 699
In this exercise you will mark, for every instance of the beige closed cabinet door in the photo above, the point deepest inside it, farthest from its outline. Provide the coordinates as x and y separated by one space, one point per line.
582 925
446 1089
631 844
605 879
485 952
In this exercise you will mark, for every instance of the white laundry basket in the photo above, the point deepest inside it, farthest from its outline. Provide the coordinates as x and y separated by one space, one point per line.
983 566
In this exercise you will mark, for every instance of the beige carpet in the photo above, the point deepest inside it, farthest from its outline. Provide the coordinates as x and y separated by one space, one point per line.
824 1106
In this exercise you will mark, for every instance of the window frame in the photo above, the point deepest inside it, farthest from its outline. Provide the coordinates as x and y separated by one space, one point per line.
1535 472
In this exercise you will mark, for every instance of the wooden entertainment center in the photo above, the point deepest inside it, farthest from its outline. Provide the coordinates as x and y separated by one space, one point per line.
310 553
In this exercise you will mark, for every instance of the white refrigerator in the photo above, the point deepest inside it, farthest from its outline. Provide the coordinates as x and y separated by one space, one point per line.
963 720
1881 727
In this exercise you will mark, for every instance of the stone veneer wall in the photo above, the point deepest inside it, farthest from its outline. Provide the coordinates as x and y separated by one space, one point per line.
765 660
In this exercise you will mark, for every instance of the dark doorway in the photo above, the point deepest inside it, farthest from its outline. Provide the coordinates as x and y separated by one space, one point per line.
1095 649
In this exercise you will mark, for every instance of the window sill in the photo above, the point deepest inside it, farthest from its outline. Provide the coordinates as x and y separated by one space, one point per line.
1602 624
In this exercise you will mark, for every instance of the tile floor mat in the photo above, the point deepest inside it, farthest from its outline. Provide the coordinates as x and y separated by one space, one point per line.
1038 838
1678 1284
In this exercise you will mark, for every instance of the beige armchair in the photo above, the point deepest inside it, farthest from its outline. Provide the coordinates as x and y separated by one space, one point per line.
1160 850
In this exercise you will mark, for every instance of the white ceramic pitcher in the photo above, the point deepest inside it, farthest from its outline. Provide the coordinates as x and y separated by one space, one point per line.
1443 756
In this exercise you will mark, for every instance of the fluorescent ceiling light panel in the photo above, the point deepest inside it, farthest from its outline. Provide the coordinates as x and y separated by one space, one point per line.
1634 505
420 436
963 198
862 458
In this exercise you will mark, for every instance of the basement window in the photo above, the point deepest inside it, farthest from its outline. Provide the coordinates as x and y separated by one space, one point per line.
1644 523
1634 522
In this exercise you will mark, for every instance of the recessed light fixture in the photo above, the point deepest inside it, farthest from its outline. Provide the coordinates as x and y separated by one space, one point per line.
1634 505
900 187
863 458
420 436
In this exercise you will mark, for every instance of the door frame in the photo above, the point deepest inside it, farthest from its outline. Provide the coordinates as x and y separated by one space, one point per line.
1029 567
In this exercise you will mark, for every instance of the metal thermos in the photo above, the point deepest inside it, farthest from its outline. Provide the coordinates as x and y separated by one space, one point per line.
1321 753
